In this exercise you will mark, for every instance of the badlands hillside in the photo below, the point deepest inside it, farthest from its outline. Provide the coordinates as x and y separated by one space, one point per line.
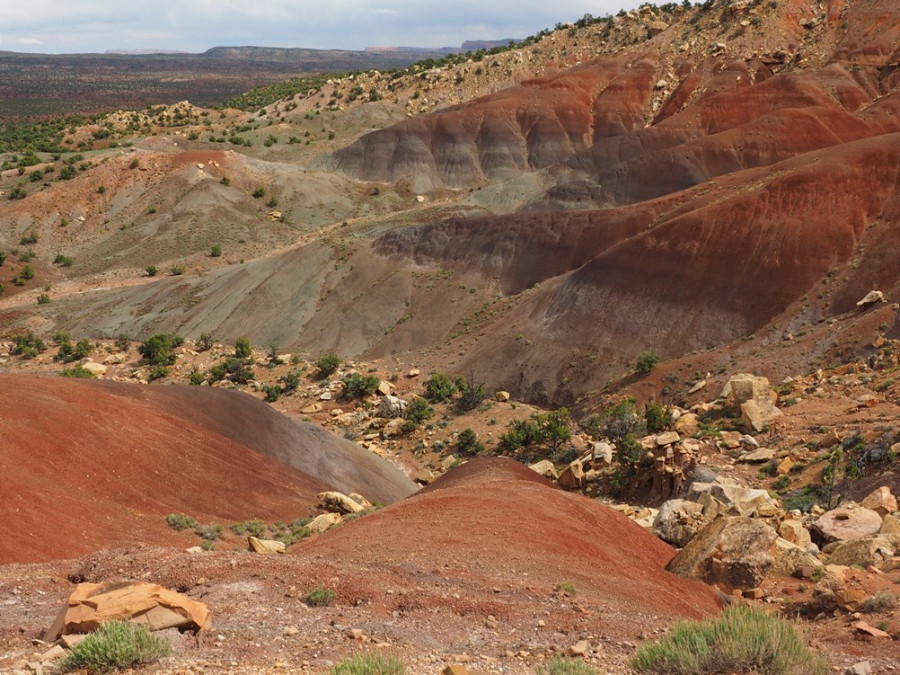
518 355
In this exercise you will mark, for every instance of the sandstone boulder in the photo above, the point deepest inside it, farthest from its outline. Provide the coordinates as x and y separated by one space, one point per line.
758 415
545 468
790 558
323 523
151 605
687 425
881 501
391 407
264 546
793 531
746 387
736 551
94 368
340 501
862 552
678 521
871 298
758 456
572 477
847 522
602 453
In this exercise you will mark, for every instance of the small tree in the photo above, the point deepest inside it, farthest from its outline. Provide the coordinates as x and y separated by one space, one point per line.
470 395
328 364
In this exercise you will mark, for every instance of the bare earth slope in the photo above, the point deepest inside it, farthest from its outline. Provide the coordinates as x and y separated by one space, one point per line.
84 468
470 566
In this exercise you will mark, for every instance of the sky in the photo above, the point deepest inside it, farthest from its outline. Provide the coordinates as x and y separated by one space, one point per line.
78 26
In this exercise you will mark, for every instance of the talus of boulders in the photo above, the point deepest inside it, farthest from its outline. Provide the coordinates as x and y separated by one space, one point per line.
340 501
736 551
265 546
151 605
849 521
738 500
678 521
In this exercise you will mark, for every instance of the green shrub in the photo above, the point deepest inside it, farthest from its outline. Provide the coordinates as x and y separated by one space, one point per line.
159 350
116 644
741 639
216 251
43 299
2 258
467 442
235 369
78 372
67 352
657 417
179 522
417 411
259 192
30 237
257 528
646 361
27 272
439 388
369 664
242 348
152 270
561 665
176 270
320 597
359 386
28 345
63 260
328 364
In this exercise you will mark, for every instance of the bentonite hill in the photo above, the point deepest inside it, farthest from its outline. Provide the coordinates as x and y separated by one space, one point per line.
653 258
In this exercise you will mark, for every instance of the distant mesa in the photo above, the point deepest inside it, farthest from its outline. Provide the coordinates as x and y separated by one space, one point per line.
144 52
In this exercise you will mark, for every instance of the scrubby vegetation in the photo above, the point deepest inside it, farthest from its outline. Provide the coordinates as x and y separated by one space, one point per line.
369 664
741 639
114 645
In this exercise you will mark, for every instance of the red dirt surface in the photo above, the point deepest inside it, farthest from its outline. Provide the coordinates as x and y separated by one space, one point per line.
469 567
83 469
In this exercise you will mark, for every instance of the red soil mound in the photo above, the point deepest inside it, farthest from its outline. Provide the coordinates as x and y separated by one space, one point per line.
343 465
499 521
83 469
